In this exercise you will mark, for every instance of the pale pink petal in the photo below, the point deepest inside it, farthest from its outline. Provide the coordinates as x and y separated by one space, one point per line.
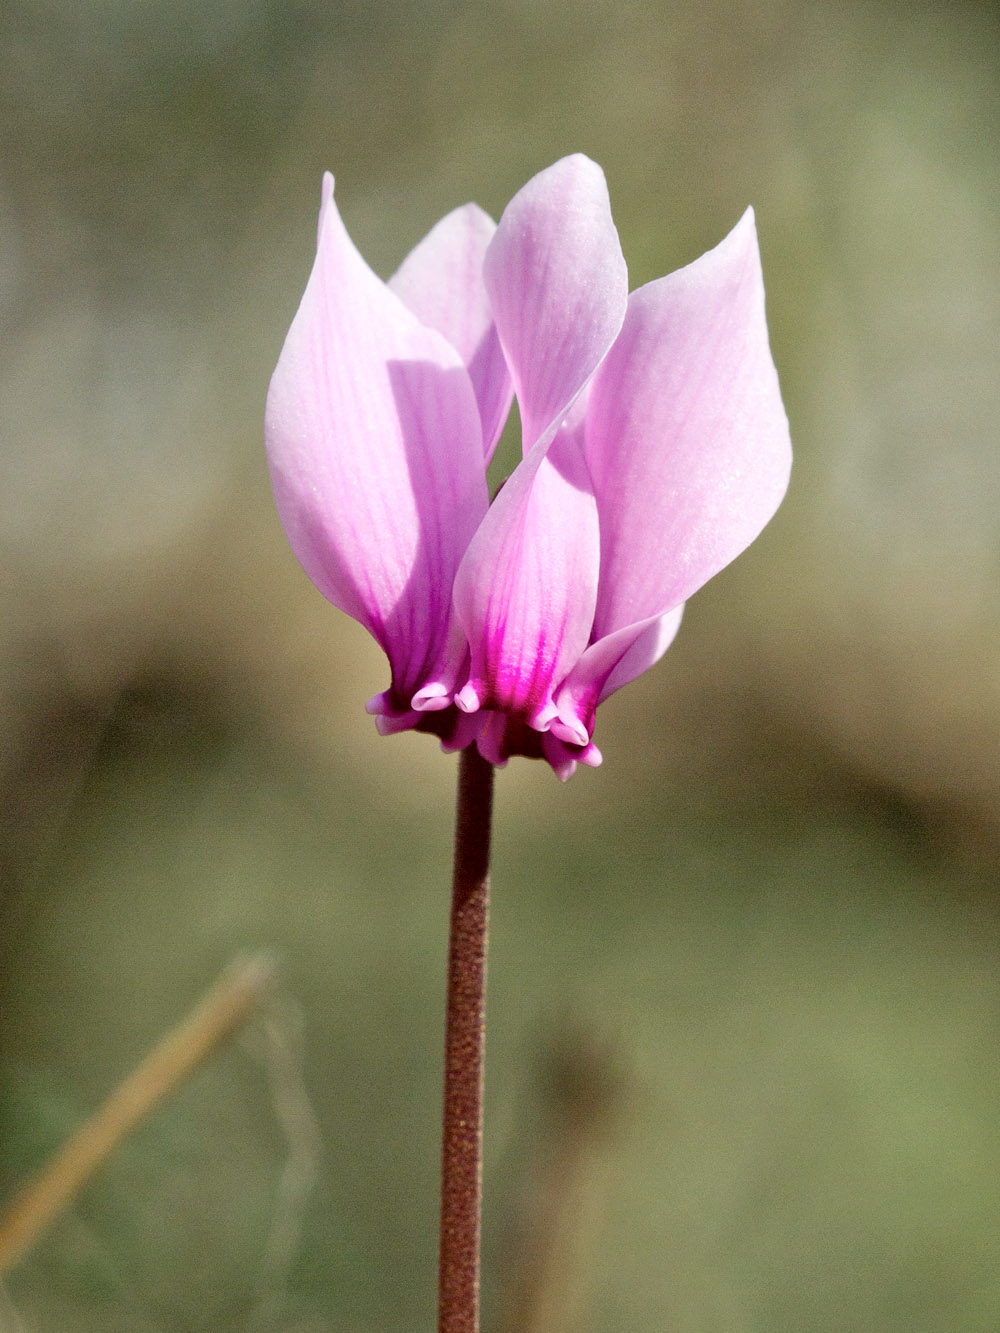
686 436
646 649
441 281
558 286
375 451
526 589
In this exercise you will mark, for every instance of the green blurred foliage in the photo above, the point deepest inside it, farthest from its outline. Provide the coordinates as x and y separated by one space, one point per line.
744 1008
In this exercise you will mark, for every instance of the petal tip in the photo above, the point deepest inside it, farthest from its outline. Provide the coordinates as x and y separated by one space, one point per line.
468 699
431 698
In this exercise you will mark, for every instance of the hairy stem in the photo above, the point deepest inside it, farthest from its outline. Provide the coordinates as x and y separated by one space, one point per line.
465 1030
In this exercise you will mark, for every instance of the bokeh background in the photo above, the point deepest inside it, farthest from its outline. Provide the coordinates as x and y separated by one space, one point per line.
744 1001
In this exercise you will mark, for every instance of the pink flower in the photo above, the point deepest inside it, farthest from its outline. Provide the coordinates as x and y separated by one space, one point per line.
655 449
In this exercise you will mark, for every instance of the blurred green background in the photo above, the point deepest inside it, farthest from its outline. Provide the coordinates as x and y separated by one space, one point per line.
744 999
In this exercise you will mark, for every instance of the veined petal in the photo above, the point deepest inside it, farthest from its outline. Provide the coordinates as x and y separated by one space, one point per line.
375 450
441 281
558 286
686 436
526 589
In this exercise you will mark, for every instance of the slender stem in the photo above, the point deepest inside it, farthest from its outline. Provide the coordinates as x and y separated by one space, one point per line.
465 1030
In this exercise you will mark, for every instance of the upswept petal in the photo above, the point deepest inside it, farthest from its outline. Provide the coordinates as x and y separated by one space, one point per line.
441 281
686 436
526 589
558 286
375 451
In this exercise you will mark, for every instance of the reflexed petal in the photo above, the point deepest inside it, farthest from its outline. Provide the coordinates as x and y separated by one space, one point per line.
558 286
441 281
526 589
686 437
375 450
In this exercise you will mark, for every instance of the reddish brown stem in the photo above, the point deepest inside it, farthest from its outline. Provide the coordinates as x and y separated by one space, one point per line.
465 1030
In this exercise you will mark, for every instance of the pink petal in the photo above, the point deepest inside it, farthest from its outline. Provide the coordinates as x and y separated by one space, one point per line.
525 591
686 436
499 737
605 667
564 758
441 281
644 651
688 447
558 286
375 450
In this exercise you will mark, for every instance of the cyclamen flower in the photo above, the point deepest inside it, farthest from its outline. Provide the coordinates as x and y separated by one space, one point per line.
655 449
